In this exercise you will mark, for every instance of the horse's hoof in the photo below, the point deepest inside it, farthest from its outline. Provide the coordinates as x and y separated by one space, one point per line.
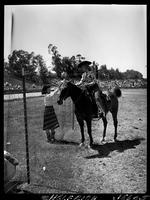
90 149
115 140
81 144
91 145
88 146
103 140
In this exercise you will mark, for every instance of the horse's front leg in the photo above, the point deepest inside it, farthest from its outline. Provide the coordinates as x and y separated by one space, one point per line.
81 124
105 126
89 125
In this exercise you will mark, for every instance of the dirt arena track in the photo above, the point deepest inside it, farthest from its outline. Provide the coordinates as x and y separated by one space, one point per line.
107 168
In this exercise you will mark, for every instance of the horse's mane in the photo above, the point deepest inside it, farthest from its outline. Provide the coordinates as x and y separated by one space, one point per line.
73 85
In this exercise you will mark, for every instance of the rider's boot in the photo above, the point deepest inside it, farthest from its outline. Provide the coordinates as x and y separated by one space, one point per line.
100 115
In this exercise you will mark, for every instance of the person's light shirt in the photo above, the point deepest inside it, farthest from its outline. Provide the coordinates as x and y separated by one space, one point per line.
48 97
87 78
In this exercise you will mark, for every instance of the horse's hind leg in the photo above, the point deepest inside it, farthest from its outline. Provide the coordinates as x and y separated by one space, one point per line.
114 115
105 126
89 124
81 124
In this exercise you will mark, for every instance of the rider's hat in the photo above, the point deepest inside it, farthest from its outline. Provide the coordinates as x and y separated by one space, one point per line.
87 63
44 89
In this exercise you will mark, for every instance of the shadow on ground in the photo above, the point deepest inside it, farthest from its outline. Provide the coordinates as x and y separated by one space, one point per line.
105 149
65 142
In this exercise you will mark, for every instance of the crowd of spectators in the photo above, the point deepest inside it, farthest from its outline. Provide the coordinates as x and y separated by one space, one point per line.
10 86
131 83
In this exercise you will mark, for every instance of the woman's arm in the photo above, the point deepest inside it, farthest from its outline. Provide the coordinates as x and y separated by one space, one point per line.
52 92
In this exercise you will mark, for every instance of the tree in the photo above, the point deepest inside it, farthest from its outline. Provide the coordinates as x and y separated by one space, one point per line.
103 72
6 66
118 74
56 59
42 69
112 74
131 74
58 68
19 59
64 63
31 62
67 65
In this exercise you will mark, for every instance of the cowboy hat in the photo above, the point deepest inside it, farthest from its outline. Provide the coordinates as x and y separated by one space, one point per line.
87 63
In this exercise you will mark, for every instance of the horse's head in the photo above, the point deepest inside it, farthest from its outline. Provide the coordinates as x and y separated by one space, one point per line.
64 93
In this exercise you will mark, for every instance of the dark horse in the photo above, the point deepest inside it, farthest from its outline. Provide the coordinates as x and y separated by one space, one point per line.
84 108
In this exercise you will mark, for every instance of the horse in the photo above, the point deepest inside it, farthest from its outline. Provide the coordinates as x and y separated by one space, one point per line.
84 108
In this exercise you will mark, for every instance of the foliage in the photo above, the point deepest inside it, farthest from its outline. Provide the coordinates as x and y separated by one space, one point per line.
35 67
6 66
103 72
67 64
131 74
70 66
37 71
42 69
18 60
106 74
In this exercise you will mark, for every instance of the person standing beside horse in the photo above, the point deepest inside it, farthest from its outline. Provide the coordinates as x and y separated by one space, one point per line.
50 122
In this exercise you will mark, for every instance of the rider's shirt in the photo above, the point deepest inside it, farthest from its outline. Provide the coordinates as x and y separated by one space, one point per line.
88 77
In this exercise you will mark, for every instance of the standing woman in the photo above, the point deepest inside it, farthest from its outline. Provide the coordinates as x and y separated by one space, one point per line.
50 122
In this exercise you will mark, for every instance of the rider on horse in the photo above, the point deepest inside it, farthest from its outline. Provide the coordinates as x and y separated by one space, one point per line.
89 79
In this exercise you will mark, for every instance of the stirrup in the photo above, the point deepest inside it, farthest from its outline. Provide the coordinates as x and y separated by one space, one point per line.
82 144
100 115
96 118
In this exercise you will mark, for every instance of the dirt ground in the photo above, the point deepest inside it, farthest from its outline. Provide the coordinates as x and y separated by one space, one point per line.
107 168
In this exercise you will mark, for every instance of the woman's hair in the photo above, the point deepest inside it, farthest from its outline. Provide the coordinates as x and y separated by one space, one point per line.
44 89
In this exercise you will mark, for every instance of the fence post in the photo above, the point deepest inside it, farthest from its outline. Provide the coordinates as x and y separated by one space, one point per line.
73 108
26 127
73 115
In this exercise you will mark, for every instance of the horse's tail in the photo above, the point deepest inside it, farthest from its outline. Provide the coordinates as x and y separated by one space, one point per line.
117 92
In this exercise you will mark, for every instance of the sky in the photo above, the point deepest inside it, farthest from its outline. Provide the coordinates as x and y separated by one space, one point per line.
115 35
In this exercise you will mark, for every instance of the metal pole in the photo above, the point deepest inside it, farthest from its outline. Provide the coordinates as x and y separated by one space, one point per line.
73 116
73 108
26 127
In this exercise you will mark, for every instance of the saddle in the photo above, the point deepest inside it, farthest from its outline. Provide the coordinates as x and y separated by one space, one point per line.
105 100
89 90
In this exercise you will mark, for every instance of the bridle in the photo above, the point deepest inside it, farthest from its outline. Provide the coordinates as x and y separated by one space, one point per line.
64 98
